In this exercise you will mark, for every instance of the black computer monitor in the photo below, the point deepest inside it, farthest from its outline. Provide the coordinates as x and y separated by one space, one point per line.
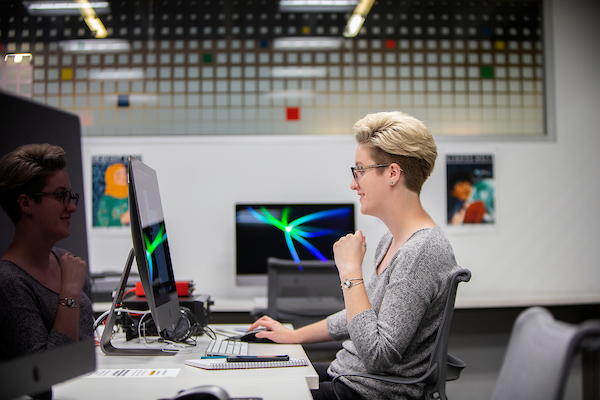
296 232
151 251
25 121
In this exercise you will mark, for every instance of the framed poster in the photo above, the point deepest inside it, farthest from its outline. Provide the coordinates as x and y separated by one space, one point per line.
471 189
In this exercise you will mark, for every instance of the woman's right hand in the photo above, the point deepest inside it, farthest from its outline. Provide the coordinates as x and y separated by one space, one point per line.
73 273
275 330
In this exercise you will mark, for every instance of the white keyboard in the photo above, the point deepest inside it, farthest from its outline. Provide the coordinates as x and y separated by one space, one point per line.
224 347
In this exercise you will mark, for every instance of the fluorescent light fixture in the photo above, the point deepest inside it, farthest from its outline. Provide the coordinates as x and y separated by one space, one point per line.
298 72
95 46
116 74
18 57
291 94
306 43
358 18
317 5
64 7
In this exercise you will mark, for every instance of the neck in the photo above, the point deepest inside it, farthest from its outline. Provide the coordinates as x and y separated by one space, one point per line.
27 249
406 216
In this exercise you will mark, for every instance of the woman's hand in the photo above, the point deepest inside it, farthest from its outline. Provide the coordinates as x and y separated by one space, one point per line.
73 273
275 330
349 253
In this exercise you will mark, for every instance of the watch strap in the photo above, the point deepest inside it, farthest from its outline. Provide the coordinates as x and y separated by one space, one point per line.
350 283
69 302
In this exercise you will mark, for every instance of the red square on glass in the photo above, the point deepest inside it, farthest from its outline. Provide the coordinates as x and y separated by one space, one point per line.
390 44
293 114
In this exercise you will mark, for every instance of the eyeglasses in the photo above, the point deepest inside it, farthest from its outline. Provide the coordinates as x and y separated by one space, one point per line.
66 196
361 169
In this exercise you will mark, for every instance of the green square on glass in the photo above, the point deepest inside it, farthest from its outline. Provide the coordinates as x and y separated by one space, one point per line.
487 72
207 58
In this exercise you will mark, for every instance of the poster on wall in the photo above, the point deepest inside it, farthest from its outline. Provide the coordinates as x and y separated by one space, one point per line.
471 190
110 193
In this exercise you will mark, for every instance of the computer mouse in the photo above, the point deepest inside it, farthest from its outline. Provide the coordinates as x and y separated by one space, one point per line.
251 337
204 392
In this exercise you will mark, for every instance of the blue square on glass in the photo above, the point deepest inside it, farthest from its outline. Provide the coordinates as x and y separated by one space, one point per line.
123 100
264 44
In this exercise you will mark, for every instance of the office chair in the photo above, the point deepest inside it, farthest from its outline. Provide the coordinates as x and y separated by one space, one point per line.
539 355
303 293
442 366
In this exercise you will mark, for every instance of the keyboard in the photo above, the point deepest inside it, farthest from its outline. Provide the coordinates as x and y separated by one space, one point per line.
226 347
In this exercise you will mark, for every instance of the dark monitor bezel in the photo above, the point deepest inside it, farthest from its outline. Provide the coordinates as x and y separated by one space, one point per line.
163 303
261 278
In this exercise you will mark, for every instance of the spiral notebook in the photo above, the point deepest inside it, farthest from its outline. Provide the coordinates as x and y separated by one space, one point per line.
222 363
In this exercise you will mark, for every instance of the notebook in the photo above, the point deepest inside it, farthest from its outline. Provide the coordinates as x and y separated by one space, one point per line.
222 363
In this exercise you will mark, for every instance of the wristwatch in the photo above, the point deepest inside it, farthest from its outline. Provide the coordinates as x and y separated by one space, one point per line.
349 283
69 302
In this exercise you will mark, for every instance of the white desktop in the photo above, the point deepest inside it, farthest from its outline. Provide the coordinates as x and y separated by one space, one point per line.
156 377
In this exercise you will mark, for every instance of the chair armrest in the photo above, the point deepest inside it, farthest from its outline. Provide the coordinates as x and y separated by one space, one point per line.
455 367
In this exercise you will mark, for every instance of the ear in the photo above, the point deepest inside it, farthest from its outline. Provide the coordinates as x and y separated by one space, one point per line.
25 203
395 172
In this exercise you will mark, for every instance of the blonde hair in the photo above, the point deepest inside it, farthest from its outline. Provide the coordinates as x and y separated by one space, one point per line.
396 137
25 170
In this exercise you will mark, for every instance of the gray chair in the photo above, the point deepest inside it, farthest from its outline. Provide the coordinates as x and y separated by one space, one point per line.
539 355
442 366
305 293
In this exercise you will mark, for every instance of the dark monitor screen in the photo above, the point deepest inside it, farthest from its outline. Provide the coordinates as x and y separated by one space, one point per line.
25 121
151 246
298 232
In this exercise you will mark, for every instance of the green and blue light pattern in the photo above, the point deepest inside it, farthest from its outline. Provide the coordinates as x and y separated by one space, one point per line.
293 230
150 247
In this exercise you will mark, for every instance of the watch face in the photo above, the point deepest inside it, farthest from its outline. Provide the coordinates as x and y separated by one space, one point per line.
70 303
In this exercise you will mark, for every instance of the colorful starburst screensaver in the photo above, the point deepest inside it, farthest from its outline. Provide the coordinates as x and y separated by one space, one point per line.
298 232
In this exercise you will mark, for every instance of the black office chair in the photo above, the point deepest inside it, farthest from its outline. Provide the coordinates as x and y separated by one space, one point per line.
539 355
303 293
442 366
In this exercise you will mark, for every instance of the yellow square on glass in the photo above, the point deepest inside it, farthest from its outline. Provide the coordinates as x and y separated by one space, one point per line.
67 74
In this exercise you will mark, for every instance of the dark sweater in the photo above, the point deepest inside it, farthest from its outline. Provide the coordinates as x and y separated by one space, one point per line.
28 310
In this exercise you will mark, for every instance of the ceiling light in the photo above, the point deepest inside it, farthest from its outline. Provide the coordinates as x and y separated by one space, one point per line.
95 46
64 7
299 72
306 43
317 5
356 20
18 57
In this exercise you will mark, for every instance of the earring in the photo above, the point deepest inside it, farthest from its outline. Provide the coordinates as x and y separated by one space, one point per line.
391 182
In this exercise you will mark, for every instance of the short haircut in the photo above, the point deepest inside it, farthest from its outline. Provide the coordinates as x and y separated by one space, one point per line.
396 137
25 170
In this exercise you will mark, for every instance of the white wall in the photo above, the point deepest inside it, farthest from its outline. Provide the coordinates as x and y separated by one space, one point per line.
544 249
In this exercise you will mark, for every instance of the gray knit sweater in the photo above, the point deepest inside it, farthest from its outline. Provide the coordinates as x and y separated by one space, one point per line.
396 335
28 309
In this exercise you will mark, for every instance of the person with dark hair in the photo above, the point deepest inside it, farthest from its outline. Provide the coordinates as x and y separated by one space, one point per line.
44 290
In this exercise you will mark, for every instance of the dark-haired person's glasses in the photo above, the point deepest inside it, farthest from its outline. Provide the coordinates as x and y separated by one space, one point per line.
65 195
358 171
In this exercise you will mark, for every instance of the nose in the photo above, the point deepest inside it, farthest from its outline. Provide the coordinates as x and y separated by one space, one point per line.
353 184
72 207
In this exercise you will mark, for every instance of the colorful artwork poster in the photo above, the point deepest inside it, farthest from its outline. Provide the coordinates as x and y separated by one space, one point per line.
110 193
470 189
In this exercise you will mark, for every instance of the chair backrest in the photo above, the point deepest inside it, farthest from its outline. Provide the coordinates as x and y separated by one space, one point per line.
307 291
436 382
539 355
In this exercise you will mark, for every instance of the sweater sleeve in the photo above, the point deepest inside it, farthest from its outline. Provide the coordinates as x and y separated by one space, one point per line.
30 330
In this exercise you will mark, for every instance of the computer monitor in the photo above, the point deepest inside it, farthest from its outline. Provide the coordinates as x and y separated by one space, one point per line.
296 232
25 121
151 252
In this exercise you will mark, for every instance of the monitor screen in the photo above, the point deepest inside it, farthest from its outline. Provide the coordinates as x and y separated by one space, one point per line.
149 234
25 121
298 232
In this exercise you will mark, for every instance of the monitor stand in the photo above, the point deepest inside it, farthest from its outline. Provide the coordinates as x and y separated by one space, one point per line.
105 341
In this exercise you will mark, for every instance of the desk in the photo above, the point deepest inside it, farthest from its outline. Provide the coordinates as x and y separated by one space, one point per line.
268 383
